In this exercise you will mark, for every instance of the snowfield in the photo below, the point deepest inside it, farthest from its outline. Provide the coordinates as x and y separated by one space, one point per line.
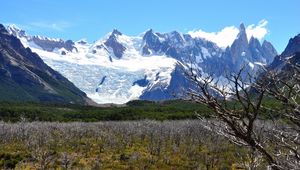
86 69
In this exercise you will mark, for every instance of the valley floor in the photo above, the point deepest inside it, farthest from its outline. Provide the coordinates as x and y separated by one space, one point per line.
182 144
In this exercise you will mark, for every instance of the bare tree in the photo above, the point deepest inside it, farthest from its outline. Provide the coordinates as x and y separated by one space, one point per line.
284 87
238 105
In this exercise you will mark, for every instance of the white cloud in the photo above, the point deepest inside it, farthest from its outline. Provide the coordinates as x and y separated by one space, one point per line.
227 35
222 38
57 26
19 26
258 31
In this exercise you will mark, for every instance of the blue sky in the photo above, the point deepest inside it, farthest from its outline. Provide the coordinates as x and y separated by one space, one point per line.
92 19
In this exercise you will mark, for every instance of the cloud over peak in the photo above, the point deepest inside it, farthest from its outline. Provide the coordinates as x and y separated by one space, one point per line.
227 35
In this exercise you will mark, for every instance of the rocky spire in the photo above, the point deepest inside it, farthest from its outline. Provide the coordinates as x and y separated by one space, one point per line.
242 27
242 36
149 34
292 47
240 47
116 32
16 31
269 51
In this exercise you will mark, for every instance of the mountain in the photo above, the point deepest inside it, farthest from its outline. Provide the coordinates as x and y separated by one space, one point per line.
292 47
249 54
285 68
290 54
25 77
119 68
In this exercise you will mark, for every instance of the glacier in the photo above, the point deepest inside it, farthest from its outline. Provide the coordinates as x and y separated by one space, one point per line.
86 69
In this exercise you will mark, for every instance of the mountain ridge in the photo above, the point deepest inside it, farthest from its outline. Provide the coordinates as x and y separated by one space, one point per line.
290 54
149 58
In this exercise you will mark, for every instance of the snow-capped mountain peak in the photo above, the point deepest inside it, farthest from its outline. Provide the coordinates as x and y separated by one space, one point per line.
242 35
116 32
15 30
242 27
119 68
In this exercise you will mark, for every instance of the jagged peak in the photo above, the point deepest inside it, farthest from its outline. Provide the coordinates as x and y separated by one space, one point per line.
254 40
48 39
150 30
242 27
242 35
265 42
15 30
113 35
174 32
293 46
268 45
18 32
149 33
177 36
116 32
13 27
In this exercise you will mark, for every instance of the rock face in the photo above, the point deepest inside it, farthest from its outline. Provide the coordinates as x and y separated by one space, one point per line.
151 43
175 89
285 66
25 77
112 42
293 46
239 50
50 45
268 51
